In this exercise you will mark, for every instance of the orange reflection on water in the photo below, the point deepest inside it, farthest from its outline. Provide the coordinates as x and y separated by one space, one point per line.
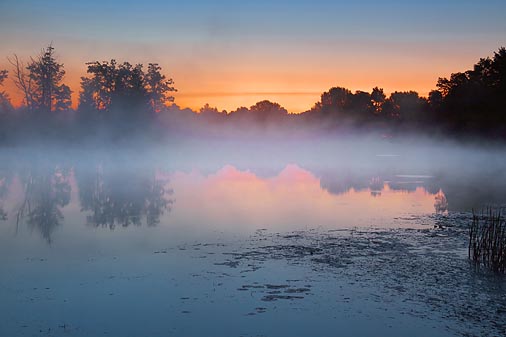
293 199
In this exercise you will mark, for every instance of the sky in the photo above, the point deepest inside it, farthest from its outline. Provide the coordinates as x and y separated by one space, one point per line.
234 53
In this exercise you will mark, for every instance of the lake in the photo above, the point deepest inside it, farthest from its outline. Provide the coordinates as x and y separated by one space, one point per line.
248 238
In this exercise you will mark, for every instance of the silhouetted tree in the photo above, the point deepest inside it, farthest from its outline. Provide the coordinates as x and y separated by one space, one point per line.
435 100
126 98
241 111
265 110
112 86
211 114
474 100
407 107
46 75
208 110
335 101
123 94
359 106
378 97
260 114
96 91
5 108
389 110
5 104
498 71
22 80
158 88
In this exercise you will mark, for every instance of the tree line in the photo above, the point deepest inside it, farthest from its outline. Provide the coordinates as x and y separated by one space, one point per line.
125 98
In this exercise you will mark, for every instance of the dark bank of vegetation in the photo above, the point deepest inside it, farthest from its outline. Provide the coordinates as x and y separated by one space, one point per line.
122 101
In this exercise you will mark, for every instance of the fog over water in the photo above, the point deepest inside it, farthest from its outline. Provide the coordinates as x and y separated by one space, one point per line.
242 185
332 171
146 239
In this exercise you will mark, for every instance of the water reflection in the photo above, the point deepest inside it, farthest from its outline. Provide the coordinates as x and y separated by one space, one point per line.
122 197
440 203
46 191
376 186
342 182
108 195
45 195
294 198
4 187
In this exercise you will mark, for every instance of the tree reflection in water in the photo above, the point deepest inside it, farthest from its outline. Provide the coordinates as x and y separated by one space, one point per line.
112 196
5 181
116 196
47 190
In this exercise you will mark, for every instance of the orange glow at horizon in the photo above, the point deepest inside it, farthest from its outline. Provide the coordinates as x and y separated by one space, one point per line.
251 51
295 101
229 84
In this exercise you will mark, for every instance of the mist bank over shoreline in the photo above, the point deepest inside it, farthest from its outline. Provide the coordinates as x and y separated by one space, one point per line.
124 101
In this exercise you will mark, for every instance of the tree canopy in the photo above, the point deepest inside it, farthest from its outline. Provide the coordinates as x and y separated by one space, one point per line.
41 82
112 86
127 96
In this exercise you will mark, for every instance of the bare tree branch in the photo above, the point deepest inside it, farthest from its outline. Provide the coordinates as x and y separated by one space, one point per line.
22 80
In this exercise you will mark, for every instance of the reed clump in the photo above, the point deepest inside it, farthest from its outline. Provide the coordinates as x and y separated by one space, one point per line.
487 240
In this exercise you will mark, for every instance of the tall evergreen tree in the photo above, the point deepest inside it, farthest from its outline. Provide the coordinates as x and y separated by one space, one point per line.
46 74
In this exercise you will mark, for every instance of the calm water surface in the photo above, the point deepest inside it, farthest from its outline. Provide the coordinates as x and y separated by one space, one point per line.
227 242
